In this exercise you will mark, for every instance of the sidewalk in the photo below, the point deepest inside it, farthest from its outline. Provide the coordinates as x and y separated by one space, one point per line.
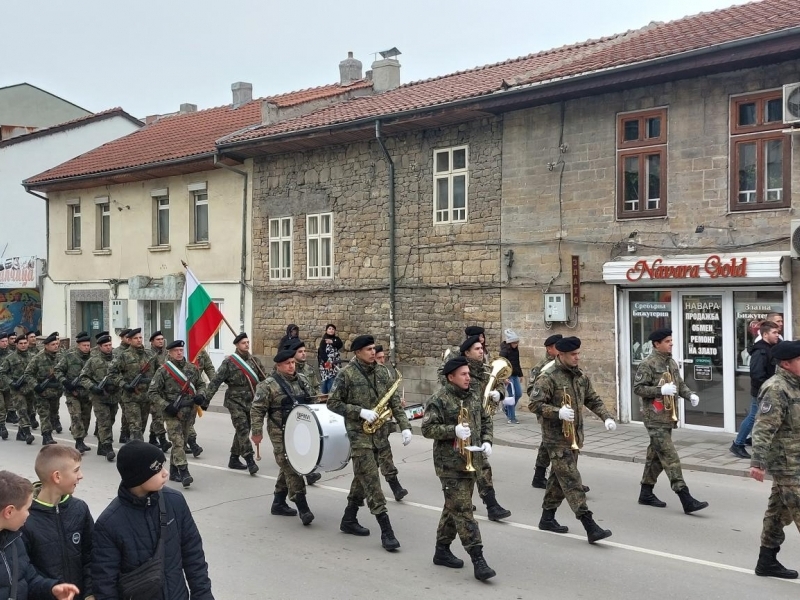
699 450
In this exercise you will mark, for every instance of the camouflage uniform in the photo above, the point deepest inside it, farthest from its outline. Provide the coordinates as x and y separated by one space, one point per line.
238 399
310 373
165 390
156 416
458 484
202 362
6 402
125 431
385 458
79 403
546 398
271 401
542 457
135 404
105 405
41 371
359 385
661 453
479 379
11 369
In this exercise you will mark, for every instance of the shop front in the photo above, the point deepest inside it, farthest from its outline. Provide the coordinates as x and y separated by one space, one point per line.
713 304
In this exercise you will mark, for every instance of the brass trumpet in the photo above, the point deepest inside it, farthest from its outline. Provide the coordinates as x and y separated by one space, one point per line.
568 427
463 418
669 401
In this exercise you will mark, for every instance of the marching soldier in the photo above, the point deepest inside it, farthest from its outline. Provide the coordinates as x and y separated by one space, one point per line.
481 333
68 371
298 346
542 458
661 453
443 424
41 380
359 388
274 398
776 448
6 403
124 344
177 390
158 432
241 372
12 375
385 459
32 348
157 343
94 377
203 362
12 341
558 397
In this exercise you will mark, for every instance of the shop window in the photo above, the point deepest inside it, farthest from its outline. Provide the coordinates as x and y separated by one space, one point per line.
642 164
649 310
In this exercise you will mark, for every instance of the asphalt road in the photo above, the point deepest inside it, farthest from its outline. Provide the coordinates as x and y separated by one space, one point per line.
653 553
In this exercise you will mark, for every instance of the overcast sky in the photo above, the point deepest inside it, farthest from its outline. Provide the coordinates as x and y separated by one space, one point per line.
150 56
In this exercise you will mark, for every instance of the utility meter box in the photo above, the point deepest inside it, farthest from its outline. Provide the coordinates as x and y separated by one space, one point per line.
119 314
555 307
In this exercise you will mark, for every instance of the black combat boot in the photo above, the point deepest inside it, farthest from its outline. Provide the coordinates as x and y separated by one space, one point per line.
124 437
235 463
306 516
26 436
174 475
648 498
690 505
3 431
165 444
444 558
548 522
12 417
398 490
482 570
313 478
388 541
101 450
80 446
109 453
47 438
539 479
20 434
594 532
350 523
34 422
251 464
493 508
57 425
768 565
186 477
279 506
196 448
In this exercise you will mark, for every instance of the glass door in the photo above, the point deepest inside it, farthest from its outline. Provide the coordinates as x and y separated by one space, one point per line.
90 317
166 320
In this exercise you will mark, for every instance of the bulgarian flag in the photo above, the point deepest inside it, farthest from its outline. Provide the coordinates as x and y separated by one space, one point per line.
199 318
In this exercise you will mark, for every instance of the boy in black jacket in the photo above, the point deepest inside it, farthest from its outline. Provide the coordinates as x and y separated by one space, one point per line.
58 532
16 495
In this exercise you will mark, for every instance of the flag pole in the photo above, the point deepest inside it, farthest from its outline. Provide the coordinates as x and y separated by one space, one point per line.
233 331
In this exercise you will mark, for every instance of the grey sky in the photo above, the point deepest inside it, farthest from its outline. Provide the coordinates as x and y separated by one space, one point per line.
149 56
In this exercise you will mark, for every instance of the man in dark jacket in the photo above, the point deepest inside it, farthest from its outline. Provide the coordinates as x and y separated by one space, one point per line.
292 333
762 368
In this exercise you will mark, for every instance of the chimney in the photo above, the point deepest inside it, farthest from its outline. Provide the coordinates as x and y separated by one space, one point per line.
242 93
187 108
386 72
349 70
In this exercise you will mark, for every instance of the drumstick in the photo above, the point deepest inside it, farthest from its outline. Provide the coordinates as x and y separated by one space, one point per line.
258 451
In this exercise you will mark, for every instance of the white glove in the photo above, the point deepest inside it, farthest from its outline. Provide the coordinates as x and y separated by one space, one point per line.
368 415
611 425
463 432
694 399
487 449
494 395
406 433
565 413
669 389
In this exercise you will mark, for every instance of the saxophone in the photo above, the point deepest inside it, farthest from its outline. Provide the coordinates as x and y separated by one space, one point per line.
382 408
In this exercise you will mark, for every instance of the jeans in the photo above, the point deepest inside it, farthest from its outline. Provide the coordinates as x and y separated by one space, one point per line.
327 384
747 425
514 386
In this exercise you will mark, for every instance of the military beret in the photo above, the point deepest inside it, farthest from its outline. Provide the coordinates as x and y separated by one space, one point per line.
103 339
785 350
37 332
100 334
378 348
82 337
294 345
33 333
568 344
469 343
51 338
155 335
474 330
3 335
553 339
123 333
133 332
362 341
176 344
453 364
82 334
240 337
283 356
660 334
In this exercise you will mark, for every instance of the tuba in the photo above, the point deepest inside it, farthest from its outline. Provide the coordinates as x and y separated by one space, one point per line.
463 418
669 401
382 408
567 427
500 370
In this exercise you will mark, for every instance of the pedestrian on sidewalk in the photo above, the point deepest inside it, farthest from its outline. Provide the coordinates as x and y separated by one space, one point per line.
509 349
329 357
762 368
652 385
542 457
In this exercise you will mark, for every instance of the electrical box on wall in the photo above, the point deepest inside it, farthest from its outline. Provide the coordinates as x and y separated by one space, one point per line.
555 307
119 314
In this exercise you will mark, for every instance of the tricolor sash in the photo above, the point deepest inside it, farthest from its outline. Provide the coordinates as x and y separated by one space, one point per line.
180 378
245 368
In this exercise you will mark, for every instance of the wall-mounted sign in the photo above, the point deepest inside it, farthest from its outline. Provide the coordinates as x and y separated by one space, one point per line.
713 266
576 280
20 272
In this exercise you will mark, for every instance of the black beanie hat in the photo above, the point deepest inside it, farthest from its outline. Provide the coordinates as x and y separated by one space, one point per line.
138 461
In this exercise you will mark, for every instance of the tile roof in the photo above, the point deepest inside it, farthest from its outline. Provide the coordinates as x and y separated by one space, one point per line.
653 41
73 124
180 136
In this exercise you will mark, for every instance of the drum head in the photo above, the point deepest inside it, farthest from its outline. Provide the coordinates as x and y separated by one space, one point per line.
302 439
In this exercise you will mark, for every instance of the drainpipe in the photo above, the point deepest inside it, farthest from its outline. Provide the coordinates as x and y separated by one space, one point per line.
392 323
40 283
243 268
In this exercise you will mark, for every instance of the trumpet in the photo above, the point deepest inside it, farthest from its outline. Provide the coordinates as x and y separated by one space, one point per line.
500 370
463 418
568 427
669 401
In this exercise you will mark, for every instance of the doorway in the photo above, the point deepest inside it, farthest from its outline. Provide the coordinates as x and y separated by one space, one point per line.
91 318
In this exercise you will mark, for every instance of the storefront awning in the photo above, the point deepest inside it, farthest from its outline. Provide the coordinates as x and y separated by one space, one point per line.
699 269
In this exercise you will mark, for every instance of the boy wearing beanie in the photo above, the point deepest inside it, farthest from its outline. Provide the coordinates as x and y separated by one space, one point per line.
126 534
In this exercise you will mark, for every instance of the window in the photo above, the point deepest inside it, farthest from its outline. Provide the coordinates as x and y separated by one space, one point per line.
280 248
74 226
200 202
760 152
450 185
642 164
161 232
215 342
319 235
103 223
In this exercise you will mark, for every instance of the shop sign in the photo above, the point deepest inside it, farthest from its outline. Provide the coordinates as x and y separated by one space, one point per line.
713 267
702 369
19 272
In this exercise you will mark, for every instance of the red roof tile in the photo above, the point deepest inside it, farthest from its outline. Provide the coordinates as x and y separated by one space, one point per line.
655 40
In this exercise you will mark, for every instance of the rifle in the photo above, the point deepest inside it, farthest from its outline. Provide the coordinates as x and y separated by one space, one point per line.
136 381
181 400
100 388
42 386
19 382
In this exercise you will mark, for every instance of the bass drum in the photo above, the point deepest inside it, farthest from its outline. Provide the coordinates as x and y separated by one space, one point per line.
315 439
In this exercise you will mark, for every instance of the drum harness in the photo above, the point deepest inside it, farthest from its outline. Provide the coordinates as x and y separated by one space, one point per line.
288 402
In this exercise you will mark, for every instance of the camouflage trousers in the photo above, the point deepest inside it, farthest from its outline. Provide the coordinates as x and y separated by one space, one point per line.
23 404
240 418
80 414
485 483
47 409
542 457
126 430
6 404
104 413
366 483
385 459
565 482
157 424
178 432
457 514
783 508
288 481
662 456
136 413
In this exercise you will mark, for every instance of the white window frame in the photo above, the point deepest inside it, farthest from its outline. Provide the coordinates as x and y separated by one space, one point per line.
216 341
103 229
317 270
285 245
74 211
160 203
447 216
198 201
